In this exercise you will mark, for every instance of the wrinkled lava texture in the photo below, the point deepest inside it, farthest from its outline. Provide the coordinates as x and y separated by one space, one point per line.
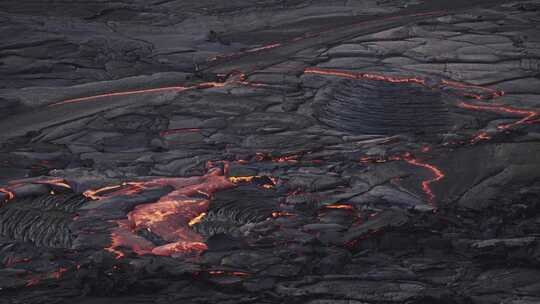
317 152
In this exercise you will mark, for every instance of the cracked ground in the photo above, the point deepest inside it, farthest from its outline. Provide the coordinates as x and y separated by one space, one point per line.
318 152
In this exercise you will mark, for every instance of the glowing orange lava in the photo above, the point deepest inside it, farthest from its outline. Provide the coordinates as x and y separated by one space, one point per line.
426 184
197 219
240 79
492 93
356 75
9 194
242 53
528 115
242 179
230 273
342 206
122 93
479 137
169 218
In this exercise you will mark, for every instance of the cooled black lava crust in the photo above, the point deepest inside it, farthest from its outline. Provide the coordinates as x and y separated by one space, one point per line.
380 107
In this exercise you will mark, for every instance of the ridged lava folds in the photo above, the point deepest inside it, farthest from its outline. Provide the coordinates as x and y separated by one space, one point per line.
42 220
379 107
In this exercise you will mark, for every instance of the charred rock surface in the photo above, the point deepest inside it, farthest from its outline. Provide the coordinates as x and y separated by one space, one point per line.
270 152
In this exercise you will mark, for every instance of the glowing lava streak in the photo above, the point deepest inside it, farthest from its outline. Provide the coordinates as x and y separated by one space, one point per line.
201 86
9 195
426 184
169 218
492 92
528 115
123 93
249 51
355 75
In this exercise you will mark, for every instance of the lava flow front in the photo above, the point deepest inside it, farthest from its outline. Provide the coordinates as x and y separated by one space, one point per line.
168 219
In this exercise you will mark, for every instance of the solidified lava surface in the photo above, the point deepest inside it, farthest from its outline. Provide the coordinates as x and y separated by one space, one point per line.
367 152
379 107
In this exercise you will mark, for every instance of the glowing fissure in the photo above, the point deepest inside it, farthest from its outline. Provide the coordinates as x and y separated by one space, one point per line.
528 115
356 75
201 86
437 173
170 217
9 194
122 93
492 93
426 184
10 190
340 206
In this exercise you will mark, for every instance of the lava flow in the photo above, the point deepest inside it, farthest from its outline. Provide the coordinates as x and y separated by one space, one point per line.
437 173
492 93
239 78
169 218
528 115
426 184
356 75
9 195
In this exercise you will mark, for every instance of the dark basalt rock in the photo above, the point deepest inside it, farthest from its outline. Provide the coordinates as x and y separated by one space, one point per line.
379 107
331 187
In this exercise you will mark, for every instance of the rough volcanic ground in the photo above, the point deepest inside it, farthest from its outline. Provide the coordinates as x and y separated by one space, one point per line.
270 152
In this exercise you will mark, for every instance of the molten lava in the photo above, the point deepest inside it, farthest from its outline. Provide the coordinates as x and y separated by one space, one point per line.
341 206
528 115
355 75
169 218
426 184
9 194
492 93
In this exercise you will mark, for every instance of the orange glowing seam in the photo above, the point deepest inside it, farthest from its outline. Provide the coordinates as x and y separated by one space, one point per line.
426 184
242 179
55 182
528 115
342 206
493 93
479 137
241 53
197 219
123 93
277 214
201 86
232 273
126 188
354 75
